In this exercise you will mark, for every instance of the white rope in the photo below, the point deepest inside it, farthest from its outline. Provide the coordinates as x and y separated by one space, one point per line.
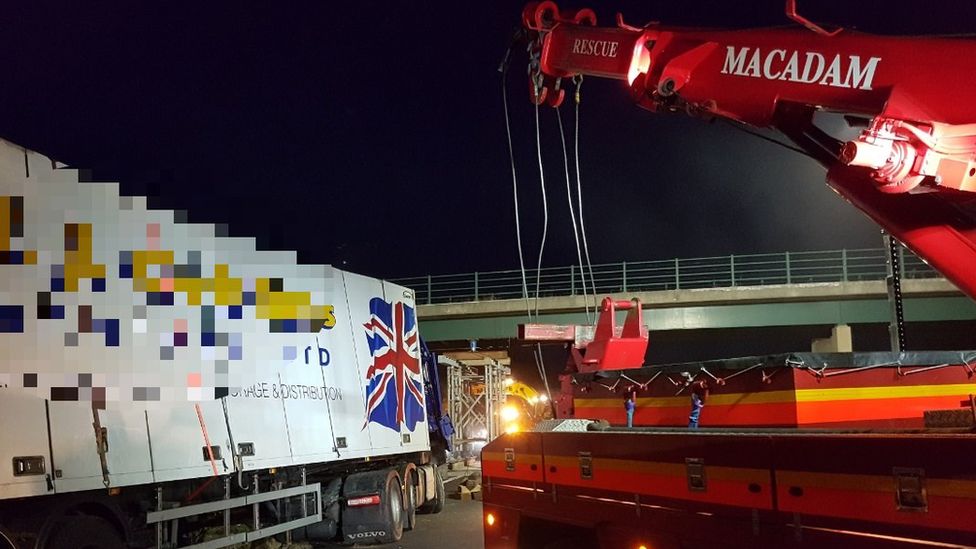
537 352
545 211
572 214
579 192
542 246
518 225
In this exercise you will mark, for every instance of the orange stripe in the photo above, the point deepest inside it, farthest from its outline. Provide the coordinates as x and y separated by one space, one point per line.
852 503
668 486
743 474
874 483
872 409
726 485
493 465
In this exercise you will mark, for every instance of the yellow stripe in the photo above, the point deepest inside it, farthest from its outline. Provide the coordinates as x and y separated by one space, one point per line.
520 458
868 393
951 488
836 481
874 483
801 395
662 468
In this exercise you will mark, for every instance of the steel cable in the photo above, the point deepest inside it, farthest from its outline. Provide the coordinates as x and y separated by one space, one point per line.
540 365
579 192
518 225
537 352
545 210
572 213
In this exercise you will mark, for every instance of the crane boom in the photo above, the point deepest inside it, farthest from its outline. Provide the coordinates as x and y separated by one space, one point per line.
912 168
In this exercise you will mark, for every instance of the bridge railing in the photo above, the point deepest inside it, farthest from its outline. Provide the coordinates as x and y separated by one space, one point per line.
669 274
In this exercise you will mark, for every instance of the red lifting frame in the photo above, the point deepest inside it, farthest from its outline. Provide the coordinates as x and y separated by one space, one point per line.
612 349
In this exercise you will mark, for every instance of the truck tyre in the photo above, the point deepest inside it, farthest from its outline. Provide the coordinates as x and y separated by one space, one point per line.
436 505
85 532
410 500
392 510
380 518
5 541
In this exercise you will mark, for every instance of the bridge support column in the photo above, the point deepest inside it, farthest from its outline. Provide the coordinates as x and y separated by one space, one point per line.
840 341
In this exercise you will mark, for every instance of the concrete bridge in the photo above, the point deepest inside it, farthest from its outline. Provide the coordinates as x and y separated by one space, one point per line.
792 297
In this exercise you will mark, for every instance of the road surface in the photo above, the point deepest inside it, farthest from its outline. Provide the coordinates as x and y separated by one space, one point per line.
457 526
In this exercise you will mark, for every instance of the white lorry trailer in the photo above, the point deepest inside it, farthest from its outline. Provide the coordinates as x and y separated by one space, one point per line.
164 385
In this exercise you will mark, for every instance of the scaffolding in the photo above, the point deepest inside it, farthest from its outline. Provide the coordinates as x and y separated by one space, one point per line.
475 412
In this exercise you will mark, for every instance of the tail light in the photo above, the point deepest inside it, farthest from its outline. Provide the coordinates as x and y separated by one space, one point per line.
363 501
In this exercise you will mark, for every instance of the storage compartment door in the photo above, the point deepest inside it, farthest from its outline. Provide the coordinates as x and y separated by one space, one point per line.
23 436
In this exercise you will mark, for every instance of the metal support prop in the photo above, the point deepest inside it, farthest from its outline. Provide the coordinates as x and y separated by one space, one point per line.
472 410
896 328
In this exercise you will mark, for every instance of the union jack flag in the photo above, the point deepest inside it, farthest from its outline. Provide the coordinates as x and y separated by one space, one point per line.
394 386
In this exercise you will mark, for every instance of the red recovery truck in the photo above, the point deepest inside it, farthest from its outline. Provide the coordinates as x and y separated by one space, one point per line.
801 449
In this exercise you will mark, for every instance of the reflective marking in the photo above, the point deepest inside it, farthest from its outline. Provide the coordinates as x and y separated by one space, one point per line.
923 542
516 487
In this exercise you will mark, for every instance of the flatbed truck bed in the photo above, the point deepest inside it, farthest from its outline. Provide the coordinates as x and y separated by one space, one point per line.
669 488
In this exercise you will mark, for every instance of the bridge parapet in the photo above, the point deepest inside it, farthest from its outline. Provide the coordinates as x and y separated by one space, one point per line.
674 277
703 297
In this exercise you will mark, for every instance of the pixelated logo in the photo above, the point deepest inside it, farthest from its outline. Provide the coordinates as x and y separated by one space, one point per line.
394 383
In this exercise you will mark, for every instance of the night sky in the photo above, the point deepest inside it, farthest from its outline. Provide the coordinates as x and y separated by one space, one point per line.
371 136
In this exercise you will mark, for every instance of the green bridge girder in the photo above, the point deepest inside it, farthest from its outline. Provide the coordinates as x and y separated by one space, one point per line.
805 313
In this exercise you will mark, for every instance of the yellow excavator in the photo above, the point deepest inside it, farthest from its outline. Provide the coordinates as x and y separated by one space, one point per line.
517 414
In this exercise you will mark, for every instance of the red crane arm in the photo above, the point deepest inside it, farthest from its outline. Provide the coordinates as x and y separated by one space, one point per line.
912 169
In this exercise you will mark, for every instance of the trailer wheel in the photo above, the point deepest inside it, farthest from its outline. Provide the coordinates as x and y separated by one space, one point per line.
380 518
410 500
436 505
5 541
393 510
85 532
